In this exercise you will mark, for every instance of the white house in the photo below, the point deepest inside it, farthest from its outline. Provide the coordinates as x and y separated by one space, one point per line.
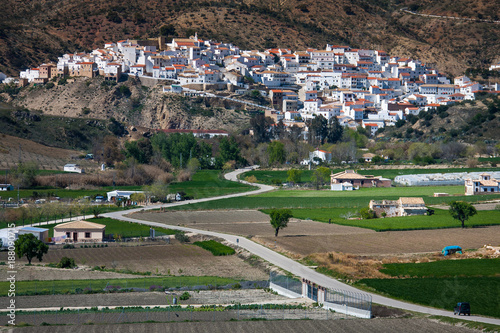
484 185
323 155
73 168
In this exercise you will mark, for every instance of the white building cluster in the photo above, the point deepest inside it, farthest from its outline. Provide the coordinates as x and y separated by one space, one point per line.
360 87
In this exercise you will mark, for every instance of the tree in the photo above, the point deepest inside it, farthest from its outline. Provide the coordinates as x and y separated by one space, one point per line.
462 211
320 176
335 130
229 150
158 190
279 219
261 126
293 176
28 245
167 30
141 150
318 130
276 151
24 174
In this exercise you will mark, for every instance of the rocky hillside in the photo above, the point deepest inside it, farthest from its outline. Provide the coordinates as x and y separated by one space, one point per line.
32 32
131 103
470 122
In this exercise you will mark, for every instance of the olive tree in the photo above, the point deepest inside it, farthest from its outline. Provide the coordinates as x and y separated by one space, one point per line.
279 219
462 211
29 246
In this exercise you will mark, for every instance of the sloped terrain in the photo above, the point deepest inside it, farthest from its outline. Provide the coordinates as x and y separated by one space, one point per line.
40 30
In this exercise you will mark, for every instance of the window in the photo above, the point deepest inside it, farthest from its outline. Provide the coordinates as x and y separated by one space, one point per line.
87 235
68 234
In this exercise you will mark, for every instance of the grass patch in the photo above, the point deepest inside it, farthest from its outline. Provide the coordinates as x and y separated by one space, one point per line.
216 248
445 268
209 183
443 293
205 183
129 229
117 227
440 220
266 176
102 285
334 199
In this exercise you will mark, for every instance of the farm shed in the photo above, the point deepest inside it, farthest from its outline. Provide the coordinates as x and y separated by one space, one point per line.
79 231
40 233
113 195
73 168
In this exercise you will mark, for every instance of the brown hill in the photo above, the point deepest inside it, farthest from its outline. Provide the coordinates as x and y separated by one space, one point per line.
32 32
131 103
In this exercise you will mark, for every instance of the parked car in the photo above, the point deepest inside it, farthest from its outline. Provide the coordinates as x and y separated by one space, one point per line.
462 308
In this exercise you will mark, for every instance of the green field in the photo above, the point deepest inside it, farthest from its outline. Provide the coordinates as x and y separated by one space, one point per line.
71 286
116 227
332 199
266 176
443 293
440 220
445 268
216 248
205 183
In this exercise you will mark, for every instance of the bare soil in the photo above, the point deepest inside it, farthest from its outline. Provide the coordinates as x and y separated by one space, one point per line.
307 237
42 273
390 243
171 259
246 223
381 325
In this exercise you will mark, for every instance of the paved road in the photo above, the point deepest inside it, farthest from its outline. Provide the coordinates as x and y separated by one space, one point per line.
285 262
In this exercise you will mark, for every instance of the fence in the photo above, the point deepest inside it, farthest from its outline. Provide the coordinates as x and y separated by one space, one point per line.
348 302
342 301
279 282
205 313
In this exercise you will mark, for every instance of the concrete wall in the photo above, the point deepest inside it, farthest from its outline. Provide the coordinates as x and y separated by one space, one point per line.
367 314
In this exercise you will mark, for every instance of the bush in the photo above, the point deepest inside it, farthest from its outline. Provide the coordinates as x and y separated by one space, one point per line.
49 85
182 237
68 246
66 263
185 296
366 213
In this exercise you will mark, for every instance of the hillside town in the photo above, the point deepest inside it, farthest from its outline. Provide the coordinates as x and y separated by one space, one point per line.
359 87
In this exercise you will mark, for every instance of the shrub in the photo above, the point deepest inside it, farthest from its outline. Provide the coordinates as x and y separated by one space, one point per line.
185 296
182 237
68 246
49 85
367 213
66 263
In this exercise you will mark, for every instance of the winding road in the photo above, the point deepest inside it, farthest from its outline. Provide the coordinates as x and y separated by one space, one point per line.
282 261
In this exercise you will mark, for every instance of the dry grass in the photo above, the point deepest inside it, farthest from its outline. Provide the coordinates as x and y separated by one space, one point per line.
184 176
139 176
